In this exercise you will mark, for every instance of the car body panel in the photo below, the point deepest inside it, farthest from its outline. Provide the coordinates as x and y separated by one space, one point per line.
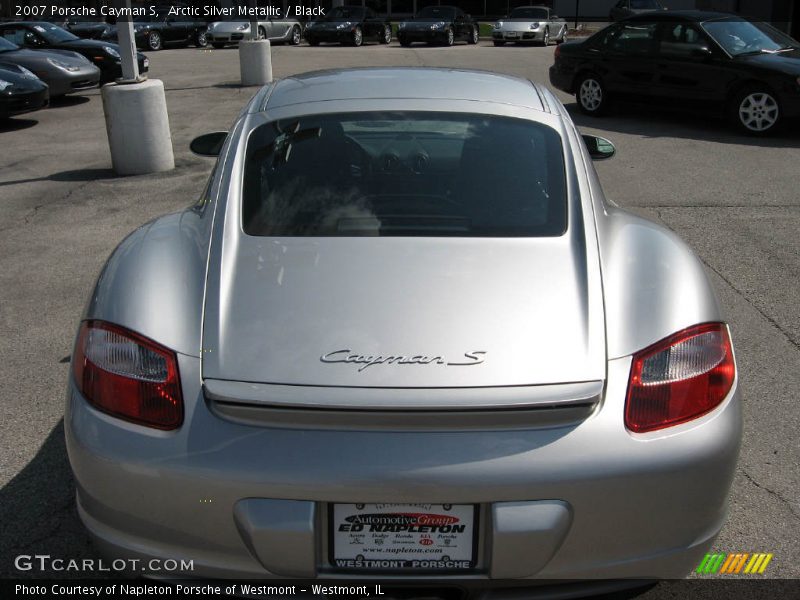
419 29
20 93
27 35
236 446
82 75
331 27
529 29
665 74
276 30
173 30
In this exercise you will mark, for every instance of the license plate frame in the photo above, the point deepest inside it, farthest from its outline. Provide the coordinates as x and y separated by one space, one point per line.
451 549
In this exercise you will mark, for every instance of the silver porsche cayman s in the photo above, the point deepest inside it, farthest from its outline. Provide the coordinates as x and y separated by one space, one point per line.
402 333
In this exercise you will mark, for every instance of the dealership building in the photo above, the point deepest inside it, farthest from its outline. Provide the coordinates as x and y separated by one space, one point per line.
785 14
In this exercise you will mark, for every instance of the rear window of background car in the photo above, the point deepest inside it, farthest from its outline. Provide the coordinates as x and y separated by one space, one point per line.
404 174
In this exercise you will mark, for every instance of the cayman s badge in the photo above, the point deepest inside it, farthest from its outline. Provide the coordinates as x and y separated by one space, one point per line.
363 361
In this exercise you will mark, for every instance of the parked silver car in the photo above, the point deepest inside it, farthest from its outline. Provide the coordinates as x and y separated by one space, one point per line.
402 331
222 33
530 24
64 71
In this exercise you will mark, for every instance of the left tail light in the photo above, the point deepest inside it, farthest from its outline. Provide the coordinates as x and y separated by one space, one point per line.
680 378
128 375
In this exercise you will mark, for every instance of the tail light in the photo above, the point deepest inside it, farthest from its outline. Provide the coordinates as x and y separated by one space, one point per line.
127 375
680 378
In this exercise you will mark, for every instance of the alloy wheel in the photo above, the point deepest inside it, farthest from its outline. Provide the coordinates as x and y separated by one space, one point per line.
451 36
759 112
202 41
387 35
358 37
295 36
591 94
154 40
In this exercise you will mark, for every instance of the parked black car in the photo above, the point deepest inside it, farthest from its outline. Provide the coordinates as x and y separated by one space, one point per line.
699 60
20 91
39 35
160 30
629 8
349 25
89 28
439 25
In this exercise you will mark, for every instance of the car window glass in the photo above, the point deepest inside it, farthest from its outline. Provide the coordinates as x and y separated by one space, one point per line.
16 36
680 40
404 174
740 37
622 4
645 5
635 39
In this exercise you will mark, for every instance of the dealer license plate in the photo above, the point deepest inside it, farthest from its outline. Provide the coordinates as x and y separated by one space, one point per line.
403 537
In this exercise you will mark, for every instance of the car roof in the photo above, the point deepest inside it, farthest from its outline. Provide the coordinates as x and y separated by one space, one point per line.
384 83
695 16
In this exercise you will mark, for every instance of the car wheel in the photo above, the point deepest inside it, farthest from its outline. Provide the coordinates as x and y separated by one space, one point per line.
386 36
757 111
154 40
217 45
200 40
475 35
591 95
499 43
358 37
564 36
296 35
546 38
262 33
451 37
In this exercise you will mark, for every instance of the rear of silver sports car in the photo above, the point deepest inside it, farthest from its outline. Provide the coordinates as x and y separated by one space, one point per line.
408 395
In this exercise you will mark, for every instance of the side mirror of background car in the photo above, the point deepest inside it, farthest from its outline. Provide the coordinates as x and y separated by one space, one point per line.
599 148
208 144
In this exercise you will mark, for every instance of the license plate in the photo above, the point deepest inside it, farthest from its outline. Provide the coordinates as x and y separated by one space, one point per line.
513 34
403 537
146 63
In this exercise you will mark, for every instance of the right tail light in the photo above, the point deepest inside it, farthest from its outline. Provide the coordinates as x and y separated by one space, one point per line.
680 378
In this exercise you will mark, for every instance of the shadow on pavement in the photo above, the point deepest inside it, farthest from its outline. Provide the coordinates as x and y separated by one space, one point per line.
66 101
16 124
76 175
38 514
670 123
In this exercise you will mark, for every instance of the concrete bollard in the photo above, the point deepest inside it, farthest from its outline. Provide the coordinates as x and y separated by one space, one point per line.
255 62
138 127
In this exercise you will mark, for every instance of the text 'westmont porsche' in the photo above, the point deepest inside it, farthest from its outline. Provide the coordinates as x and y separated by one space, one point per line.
402 300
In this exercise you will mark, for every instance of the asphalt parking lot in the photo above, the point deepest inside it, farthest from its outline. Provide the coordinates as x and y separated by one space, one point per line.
734 199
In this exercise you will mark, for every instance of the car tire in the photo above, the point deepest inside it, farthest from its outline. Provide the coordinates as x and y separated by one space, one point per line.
217 45
499 43
297 35
154 41
756 111
200 39
564 36
262 33
386 35
474 36
591 95
546 38
450 37
357 38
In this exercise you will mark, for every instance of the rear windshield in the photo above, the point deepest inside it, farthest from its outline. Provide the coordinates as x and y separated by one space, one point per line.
404 174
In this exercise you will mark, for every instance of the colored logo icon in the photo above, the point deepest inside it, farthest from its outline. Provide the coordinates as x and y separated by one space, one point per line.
734 564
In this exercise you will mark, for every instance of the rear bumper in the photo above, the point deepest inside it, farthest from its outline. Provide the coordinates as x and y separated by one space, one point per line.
636 506
562 80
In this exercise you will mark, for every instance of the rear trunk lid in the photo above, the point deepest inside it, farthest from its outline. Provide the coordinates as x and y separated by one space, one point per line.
404 312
